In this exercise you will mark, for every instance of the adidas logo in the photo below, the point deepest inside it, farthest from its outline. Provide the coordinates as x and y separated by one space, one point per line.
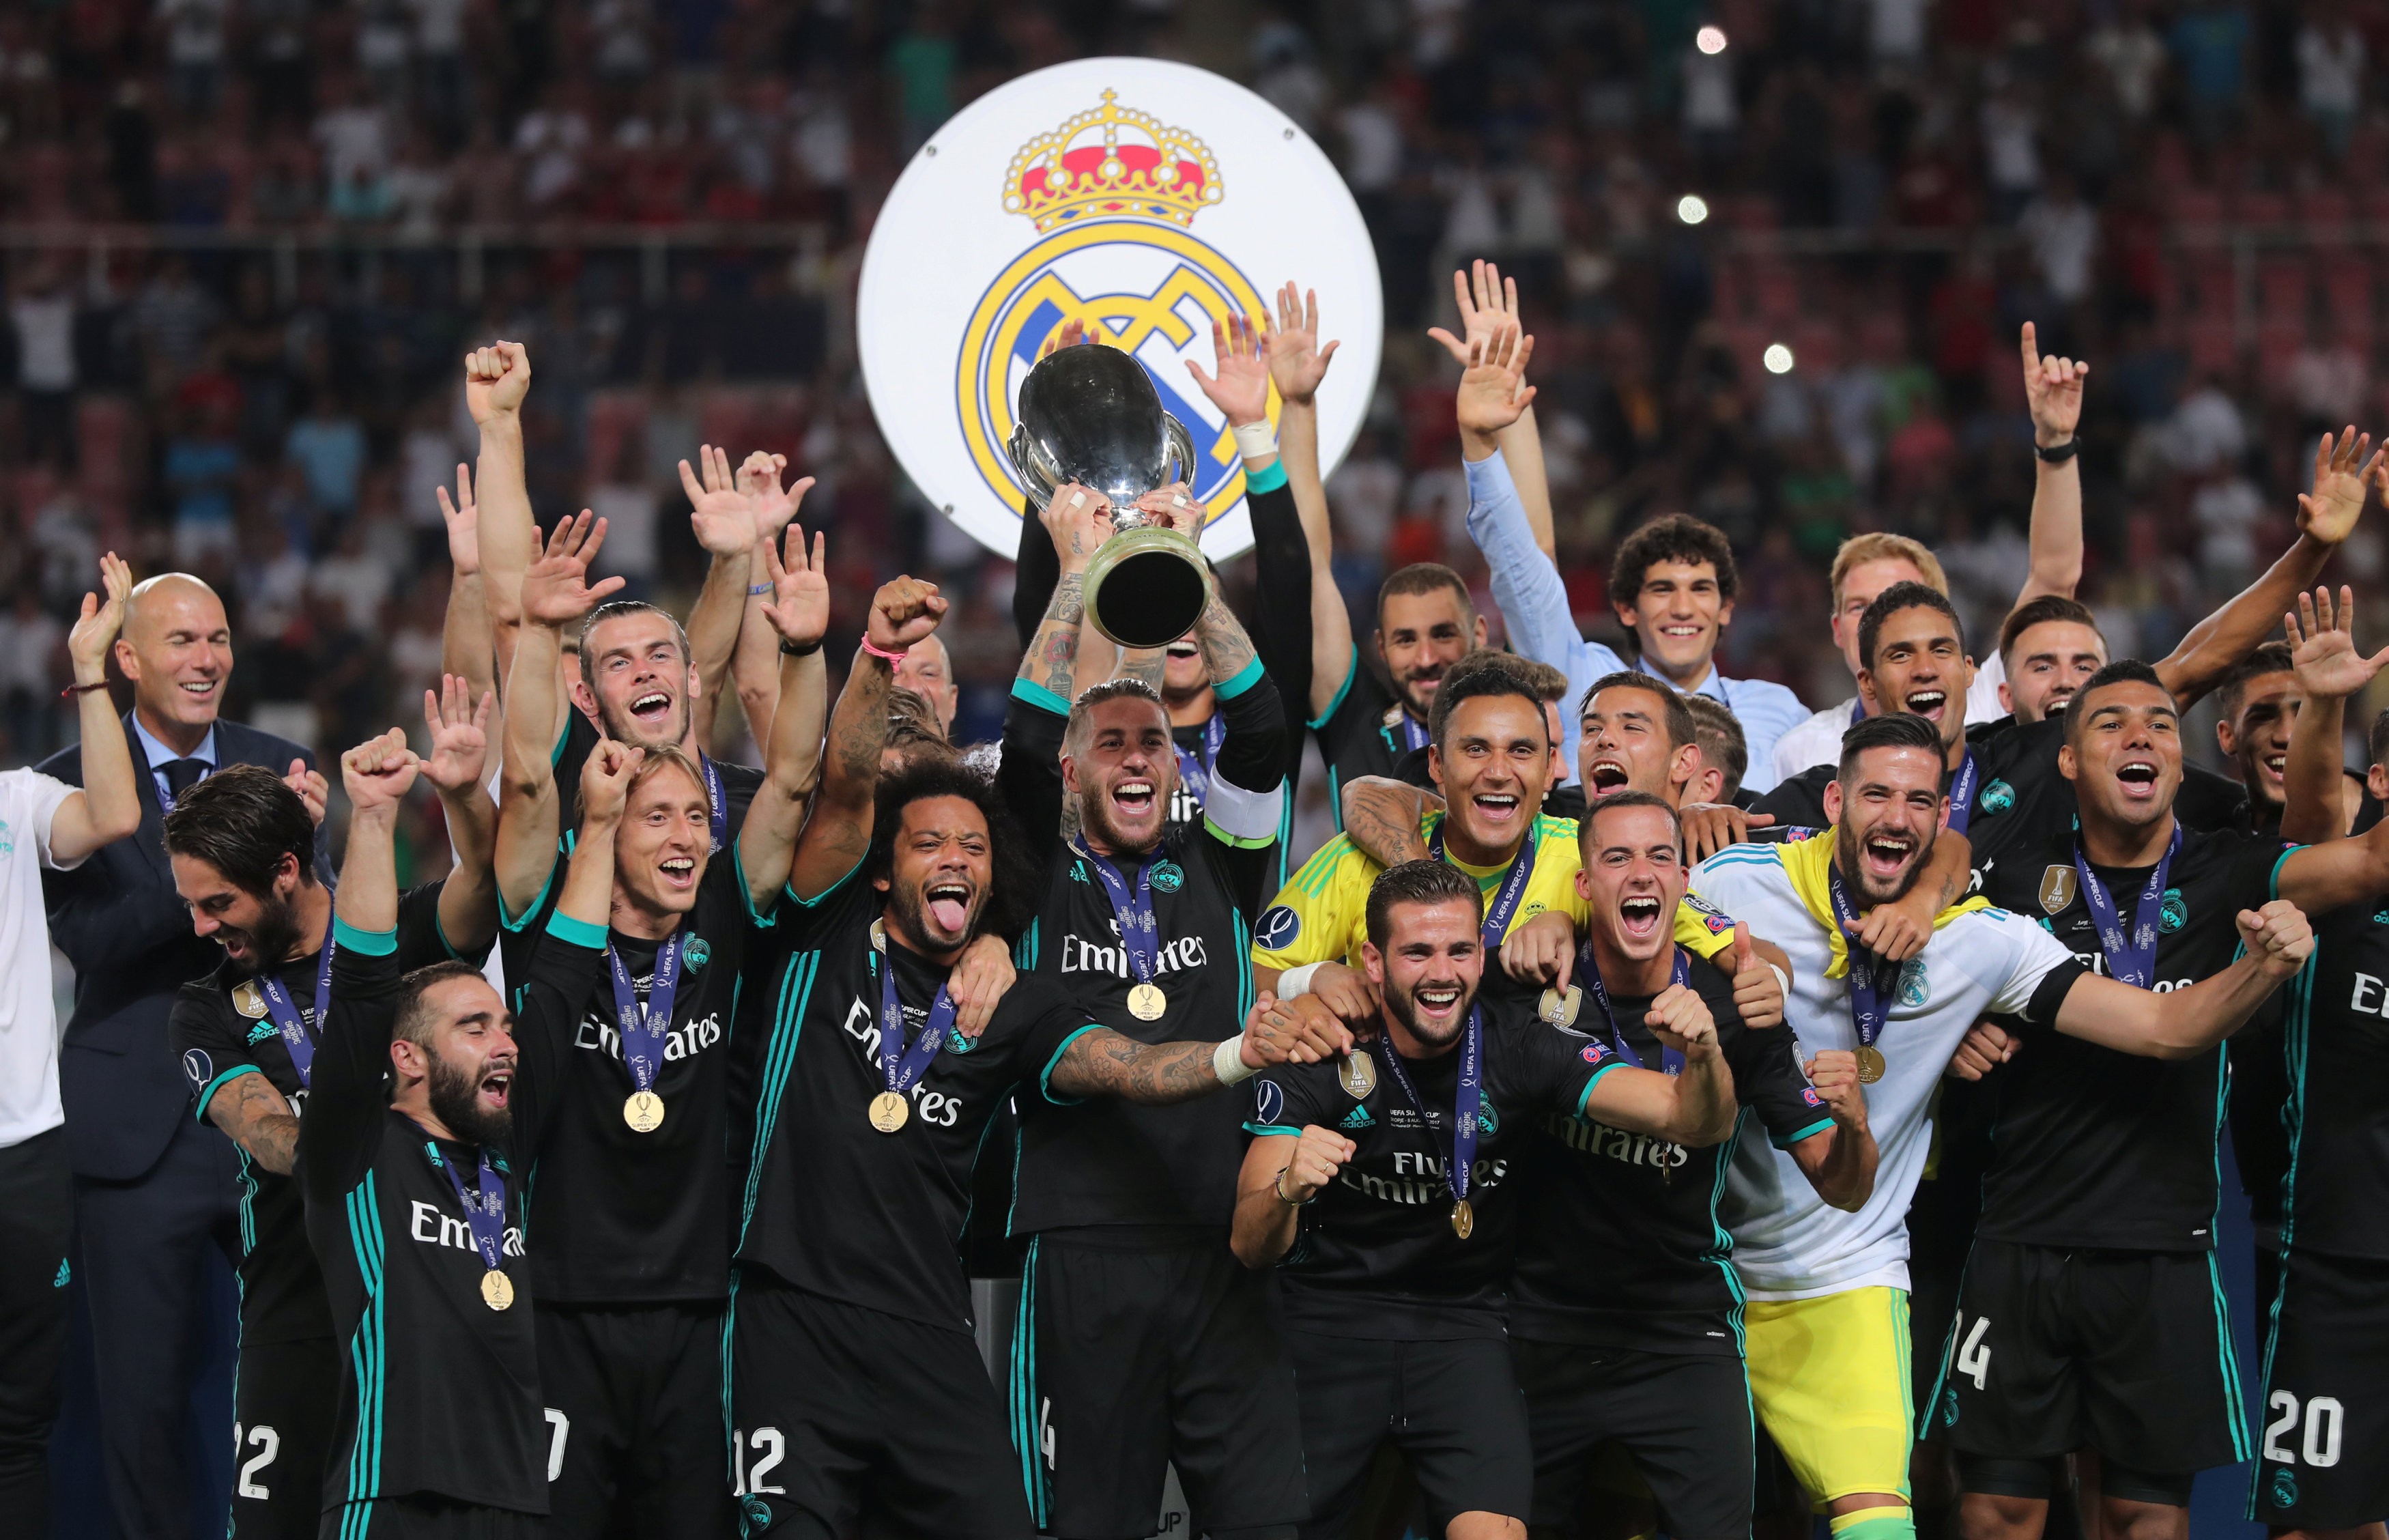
1358 1118
65 1273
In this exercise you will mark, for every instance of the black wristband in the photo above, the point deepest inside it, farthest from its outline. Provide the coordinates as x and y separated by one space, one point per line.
2058 453
789 650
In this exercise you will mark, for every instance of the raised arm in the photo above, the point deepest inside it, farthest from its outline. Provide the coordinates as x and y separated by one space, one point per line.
1078 521
468 646
496 380
1840 1163
2276 942
1696 1107
587 896
460 751
798 616
2330 670
839 834
723 514
2326 517
377 774
555 593
1488 303
1300 601
2052 388
108 806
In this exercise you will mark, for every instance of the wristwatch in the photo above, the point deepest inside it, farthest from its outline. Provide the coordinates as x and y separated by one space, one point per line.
2058 453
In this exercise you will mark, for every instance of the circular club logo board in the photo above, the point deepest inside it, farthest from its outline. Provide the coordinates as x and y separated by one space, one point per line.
1141 198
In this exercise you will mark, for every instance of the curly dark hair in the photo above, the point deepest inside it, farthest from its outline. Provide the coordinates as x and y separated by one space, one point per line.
1671 537
1013 889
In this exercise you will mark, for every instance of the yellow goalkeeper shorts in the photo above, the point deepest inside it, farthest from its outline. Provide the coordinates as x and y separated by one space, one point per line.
1830 1378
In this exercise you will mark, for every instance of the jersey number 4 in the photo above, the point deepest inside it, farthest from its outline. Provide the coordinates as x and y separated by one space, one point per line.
2323 1417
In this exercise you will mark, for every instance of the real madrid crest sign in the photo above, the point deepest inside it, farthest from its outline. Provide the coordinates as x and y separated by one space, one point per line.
1162 197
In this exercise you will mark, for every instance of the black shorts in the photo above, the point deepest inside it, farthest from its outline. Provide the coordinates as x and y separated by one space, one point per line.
2127 1353
1127 1361
1685 1418
636 1431
1452 1407
421 1517
285 1399
831 1402
2323 1441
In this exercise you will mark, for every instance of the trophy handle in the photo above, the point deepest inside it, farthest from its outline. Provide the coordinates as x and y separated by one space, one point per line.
1037 474
1182 449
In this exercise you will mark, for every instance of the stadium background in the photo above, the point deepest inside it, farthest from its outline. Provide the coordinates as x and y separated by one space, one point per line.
1775 256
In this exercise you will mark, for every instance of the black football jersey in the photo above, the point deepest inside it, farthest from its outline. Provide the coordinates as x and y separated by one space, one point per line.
2091 1147
439 1392
1619 1244
2335 1035
222 1030
832 1205
622 1217
1365 731
1375 1254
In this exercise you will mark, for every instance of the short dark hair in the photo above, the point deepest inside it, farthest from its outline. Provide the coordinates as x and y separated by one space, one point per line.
1722 742
1890 602
242 821
2376 742
1681 729
1418 882
1550 683
1075 731
1671 537
621 609
1424 577
1616 800
1891 730
1484 673
2270 657
2044 610
1012 889
913 722
2122 671
412 1021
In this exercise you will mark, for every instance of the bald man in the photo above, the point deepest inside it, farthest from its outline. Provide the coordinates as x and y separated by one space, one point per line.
156 1189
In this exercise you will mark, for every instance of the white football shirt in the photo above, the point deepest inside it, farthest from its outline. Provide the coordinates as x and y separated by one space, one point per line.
29 1018
1788 1243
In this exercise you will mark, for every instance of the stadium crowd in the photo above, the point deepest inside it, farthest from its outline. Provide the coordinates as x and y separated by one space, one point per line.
1724 691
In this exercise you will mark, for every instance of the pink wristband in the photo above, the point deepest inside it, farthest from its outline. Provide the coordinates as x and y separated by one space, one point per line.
893 658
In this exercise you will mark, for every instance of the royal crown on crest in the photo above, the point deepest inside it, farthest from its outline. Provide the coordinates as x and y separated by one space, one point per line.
1111 161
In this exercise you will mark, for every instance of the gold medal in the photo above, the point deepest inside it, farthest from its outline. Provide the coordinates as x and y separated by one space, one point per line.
248 999
888 1111
1357 1074
644 1111
497 1289
1558 1009
1870 1064
878 936
1146 1002
1463 1219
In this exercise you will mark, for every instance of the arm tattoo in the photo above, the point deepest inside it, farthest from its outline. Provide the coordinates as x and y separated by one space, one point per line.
1145 663
859 730
1052 659
260 1120
1381 818
1105 1064
1226 648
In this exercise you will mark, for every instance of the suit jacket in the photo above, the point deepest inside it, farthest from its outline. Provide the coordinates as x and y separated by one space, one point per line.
119 920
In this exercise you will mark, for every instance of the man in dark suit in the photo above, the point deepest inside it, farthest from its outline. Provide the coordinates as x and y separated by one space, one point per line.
154 1188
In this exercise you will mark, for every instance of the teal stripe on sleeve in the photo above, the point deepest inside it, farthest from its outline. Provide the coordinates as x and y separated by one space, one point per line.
373 944
1045 1075
1031 693
200 1111
1788 1140
1273 1130
1247 678
1351 672
1269 478
1584 1102
580 932
516 922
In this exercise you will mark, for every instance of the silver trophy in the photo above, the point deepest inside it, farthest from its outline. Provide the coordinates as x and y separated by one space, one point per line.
1090 415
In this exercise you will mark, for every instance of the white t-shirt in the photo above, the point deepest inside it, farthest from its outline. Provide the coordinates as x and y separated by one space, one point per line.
1789 1243
1818 739
29 1021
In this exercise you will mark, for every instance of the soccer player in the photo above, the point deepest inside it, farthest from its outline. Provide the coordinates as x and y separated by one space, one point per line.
1492 762
624 1111
1868 564
855 1376
1725 755
1393 1288
1625 1318
1826 1324
413 1207
1141 1341
1672 581
242 846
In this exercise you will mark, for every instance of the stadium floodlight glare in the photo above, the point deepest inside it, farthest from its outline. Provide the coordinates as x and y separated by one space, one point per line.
1778 358
1693 208
1709 40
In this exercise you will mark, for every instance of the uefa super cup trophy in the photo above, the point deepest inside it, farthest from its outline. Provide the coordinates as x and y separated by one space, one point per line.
1090 415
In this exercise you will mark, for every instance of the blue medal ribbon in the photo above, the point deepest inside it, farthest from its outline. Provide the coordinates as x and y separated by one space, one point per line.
284 1011
1196 770
1414 733
1961 793
1868 986
1670 1061
484 1203
2132 958
645 1029
901 1067
1512 888
1463 1153
719 804
1132 911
